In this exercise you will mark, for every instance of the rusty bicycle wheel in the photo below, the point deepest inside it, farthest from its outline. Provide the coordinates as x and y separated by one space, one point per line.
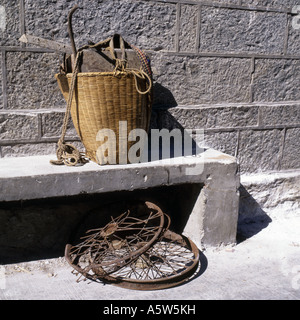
105 250
170 261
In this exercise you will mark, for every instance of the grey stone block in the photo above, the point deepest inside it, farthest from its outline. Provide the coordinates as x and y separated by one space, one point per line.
148 25
209 117
280 114
52 123
223 186
212 233
290 159
15 126
231 1
23 150
276 80
10 23
260 150
271 3
223 141
293 45
278 191
227 30
30 80
193 80
180 118
1 92
188 28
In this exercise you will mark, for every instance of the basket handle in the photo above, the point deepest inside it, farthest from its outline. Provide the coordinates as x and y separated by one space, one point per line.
119 62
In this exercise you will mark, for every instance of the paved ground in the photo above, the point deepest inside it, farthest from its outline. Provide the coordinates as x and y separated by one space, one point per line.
264 266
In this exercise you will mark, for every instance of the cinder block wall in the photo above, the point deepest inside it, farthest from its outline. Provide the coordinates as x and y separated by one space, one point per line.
231 67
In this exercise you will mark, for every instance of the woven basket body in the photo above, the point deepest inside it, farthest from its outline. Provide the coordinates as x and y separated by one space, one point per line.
100 101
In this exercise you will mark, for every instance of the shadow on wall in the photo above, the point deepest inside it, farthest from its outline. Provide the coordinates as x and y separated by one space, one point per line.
180 142
252 218
163 97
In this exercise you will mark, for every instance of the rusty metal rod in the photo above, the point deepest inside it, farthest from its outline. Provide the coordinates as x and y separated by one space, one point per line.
70 29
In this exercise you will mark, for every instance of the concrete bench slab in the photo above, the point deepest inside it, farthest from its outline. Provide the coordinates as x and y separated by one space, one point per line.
213 220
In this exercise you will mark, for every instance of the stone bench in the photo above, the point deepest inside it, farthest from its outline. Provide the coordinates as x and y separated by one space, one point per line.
211 214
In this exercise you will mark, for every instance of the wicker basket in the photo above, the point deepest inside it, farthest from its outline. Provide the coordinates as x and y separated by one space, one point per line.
100 101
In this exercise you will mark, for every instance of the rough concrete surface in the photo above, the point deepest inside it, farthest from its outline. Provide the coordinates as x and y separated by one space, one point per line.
265 266
217 208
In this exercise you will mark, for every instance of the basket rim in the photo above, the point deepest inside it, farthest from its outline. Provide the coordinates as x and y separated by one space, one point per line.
95 74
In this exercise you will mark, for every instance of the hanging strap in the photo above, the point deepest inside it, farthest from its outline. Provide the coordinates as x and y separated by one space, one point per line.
68 154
